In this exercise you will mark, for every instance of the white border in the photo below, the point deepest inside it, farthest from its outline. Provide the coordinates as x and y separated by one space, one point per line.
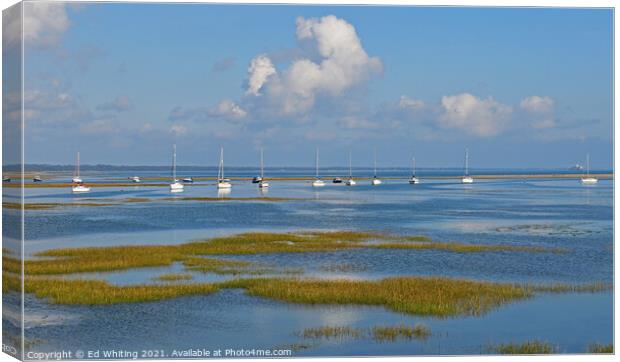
482 3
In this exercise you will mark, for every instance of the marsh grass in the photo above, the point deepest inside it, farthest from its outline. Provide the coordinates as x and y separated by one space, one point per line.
101 259
173 277
332 332
601 348
96 292
377 333
441 297
530 347
393 333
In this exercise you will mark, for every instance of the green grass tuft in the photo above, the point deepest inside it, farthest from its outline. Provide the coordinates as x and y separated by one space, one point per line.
601 348
393 333
530 347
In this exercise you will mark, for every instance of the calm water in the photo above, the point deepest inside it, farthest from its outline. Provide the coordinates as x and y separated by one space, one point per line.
549 213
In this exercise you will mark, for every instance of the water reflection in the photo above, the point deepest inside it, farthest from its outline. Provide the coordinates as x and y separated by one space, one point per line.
223 193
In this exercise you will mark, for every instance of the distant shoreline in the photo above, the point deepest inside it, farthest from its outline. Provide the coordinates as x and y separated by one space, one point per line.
15 184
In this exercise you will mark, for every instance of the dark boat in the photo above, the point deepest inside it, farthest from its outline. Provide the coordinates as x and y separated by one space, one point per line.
8 179
188 180
337 180
257 179
37 179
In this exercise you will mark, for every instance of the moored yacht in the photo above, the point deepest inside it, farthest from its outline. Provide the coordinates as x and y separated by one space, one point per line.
375 180
414 179
466 178
350 181
262 183
135 179
317 181
78 184
76 176
175 186
587 179
222 182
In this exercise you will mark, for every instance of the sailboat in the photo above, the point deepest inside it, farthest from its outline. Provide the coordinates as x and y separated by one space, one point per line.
466 178
413 180
262 183
588 180
135 179
222 183
76 176
175 186
375 181
350 181
78 185
317 182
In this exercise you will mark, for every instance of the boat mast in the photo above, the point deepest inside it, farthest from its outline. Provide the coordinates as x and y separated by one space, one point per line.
588 165
174 163
220 173
466 161
375 162
350 171
262 172
77 166
317 162
413 166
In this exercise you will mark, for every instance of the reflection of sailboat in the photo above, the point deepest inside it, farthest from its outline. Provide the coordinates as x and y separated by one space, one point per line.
222 183
175 186
317 182
262 183
223 192
76 176
78 185
375 181
466 178
413 180
350 181
588 180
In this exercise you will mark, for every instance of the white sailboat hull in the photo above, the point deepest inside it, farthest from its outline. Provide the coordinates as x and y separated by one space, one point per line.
467 180
350 182
263 184
224 185
589 180
318 183
80 188
176 187
376 182
414 180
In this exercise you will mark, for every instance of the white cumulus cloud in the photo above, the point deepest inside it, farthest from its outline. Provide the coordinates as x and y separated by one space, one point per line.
475 116
259 71
227 109
540 111
343 64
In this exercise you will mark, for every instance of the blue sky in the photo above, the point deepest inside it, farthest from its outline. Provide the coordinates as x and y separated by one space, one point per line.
122 82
